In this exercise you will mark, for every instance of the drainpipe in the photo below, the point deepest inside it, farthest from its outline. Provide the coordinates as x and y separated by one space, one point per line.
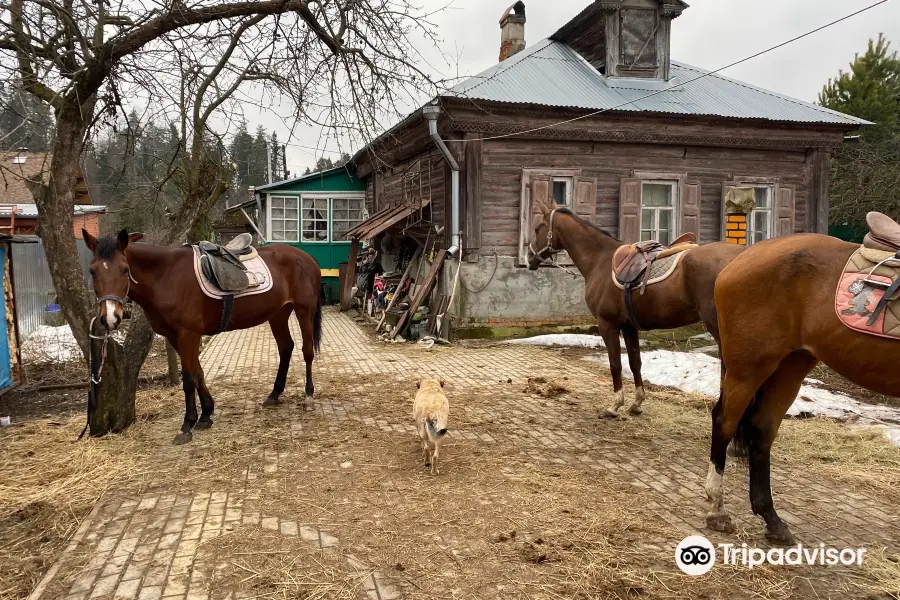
431 113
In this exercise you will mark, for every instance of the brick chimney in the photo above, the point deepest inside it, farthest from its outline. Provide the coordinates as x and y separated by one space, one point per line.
512 31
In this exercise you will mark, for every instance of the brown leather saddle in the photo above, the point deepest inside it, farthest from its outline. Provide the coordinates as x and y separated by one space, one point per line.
223 267
632 262
884 235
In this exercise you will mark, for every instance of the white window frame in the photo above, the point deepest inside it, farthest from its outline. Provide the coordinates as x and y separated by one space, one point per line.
675 185
312 198
570 183
269 221
770 221
353 196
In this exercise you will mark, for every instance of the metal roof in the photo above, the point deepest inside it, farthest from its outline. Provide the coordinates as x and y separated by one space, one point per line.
30 211
278 184
551 73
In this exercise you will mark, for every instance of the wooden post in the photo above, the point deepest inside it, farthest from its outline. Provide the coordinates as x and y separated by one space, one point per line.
351 275
172 360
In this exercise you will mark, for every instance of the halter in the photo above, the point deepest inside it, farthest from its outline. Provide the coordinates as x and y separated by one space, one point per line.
551 251
120 299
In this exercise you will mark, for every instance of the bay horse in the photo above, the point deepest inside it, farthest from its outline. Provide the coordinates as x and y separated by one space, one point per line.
684 298
777 320
161 280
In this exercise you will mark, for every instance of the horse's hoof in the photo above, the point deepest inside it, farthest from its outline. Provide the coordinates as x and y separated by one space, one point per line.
201 424
183 438
720 522
635 410
609 414
780 536
272 401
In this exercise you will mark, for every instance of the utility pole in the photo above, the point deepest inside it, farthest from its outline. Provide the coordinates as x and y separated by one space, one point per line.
269 161
284 170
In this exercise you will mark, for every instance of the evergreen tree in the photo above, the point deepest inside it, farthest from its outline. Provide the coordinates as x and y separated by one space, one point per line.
865 176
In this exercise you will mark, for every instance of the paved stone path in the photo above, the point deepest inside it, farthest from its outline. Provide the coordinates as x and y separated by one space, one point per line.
147 547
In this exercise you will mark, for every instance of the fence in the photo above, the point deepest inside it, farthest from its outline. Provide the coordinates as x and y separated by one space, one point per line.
33 286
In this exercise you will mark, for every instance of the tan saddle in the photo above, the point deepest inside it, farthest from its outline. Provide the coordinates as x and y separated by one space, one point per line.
884 233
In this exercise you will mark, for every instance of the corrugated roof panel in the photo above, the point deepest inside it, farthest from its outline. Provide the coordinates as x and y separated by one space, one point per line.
553 74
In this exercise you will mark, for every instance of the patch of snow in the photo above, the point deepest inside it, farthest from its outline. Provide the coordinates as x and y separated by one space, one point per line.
579 340
699 373
51 344
703 336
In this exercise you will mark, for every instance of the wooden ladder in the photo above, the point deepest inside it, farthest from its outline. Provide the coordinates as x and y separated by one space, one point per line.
13 210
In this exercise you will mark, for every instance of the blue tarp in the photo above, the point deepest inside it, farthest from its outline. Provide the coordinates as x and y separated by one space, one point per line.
5 371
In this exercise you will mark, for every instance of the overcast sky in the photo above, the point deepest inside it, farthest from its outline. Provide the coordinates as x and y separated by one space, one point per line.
710 34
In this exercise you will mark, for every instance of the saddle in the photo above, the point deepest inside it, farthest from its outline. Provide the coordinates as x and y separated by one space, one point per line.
632 265
872 275
884 233
223 265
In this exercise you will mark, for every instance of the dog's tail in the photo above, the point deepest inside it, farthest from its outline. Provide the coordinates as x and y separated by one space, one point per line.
437 426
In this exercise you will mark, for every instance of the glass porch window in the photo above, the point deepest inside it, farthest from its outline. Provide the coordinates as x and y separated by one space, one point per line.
346 213
314 219
284 218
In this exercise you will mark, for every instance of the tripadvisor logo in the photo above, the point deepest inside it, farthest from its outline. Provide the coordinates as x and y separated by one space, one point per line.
696 555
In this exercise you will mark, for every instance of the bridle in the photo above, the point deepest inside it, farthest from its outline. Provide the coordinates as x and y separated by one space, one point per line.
120 299
549 249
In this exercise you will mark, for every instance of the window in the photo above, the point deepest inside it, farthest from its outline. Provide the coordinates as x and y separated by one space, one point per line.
284 218
562 191
637 45
314 219
346 213
760 226
658 212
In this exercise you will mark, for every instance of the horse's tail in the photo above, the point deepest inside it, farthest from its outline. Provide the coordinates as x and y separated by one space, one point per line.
317 326
743 437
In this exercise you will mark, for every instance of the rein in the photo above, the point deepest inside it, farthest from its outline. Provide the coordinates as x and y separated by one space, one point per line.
97 362
552 252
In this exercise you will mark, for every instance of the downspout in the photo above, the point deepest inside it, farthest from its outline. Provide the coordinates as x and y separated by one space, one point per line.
431 113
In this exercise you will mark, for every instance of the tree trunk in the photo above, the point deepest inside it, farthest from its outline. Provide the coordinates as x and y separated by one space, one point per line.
115 401
172 359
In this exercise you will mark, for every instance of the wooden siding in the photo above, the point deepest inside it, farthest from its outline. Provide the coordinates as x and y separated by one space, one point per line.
608 162
423 176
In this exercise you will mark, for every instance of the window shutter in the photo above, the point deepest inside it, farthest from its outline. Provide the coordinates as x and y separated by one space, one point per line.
784 210
537 191
690 209
630 210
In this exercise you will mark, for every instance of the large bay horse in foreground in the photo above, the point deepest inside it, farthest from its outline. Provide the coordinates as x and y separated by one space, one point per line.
682 299
785 304
164 282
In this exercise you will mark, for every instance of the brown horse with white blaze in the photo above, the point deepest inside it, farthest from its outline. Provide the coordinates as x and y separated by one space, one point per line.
682 299
162 281
777 320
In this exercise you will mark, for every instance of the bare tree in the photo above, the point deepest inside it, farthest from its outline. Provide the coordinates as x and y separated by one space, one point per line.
342 63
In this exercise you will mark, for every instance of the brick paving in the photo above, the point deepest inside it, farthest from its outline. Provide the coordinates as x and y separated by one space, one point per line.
146 548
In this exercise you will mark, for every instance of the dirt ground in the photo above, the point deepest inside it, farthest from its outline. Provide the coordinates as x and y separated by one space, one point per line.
537 497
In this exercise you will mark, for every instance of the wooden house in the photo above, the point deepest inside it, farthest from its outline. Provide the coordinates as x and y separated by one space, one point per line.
312 212
18 212
600 119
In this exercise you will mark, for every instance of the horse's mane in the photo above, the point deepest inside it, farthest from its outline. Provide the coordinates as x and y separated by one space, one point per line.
584 221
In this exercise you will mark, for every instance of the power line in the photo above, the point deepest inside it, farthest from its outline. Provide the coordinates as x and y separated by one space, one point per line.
708 74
